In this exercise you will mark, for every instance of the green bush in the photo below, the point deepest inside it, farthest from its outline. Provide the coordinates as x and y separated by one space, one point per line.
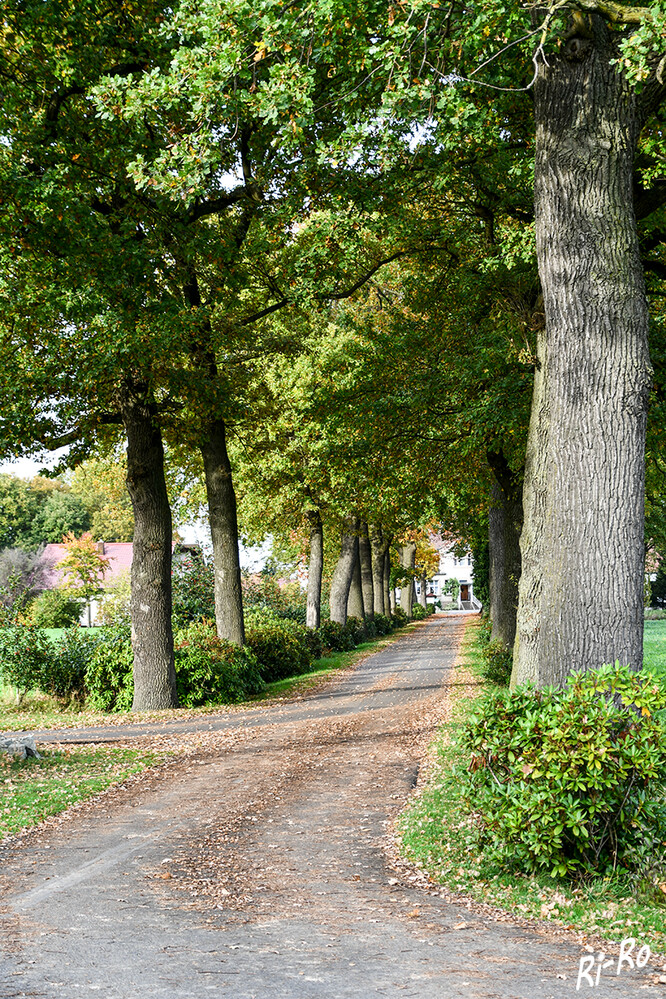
336 638
356 629
109 678
370 629
399 618
26 657
283 647
193 589
497 663
382 623
54 609
569 781
210 671
30 660
419 613
430 610
72 653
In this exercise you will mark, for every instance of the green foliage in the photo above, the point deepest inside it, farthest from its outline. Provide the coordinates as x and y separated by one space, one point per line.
419 613
26 655
570 781
193 586
210 671
54 609
60 513
383 624
497 663
399 618
285 599
430 610
30 660
19 505
72 652
115 609
109 676
283 647
335 637
356 629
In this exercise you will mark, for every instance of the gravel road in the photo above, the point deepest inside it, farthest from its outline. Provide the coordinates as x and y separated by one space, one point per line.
257 866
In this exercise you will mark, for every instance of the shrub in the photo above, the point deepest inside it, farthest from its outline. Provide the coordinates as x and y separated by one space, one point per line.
370 629
26 656
193 588
430 610
282 647
383 624
497 663
109 678
116 607
485 630
210 671
419 613
54 609
264 591
72 653
336 638
399 618
571 780
356 629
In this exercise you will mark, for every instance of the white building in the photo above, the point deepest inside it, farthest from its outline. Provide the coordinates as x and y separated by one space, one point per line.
452 567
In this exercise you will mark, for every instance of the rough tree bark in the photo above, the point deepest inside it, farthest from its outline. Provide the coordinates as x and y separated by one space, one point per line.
581 589
355 604
152 636
505 519
423 595
378 549
367 582
224 532
389 591
315 570
342 574
408 556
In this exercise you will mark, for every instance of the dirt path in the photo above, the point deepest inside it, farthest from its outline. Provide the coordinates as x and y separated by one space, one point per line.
257 868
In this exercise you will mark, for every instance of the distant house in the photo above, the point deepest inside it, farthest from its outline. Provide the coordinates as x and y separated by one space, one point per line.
119 554
452 567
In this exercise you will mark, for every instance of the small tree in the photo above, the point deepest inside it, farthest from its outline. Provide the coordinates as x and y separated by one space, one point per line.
83 567
22 577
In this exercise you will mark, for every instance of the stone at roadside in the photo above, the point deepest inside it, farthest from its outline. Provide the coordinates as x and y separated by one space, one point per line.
21 746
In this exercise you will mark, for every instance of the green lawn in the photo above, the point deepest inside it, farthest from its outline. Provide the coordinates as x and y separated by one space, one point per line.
654 647
31 790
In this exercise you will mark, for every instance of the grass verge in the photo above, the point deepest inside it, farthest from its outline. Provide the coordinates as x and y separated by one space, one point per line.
434 834
31 790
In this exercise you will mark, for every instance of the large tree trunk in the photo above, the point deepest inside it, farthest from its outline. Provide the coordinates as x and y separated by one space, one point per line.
423 595
343 572
389 592
581 589
408 556
367 581
378 549
152 636
224 532
355 605
505 518
315 570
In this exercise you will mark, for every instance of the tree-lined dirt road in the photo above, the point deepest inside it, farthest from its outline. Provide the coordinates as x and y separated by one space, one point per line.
257 866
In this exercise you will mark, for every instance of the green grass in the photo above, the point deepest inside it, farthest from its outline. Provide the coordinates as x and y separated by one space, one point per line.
654 647
31 790
435 834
